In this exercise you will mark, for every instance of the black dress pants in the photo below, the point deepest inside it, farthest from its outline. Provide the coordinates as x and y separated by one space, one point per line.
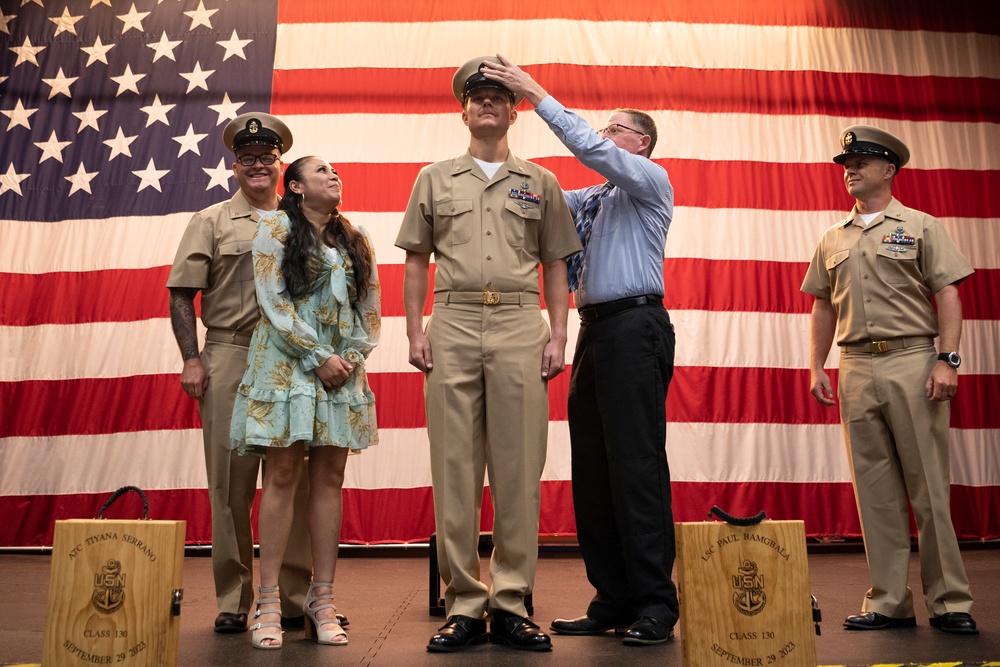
621 482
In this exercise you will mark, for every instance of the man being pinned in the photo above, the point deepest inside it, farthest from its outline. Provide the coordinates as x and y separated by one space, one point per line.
622 366
490 218
873 275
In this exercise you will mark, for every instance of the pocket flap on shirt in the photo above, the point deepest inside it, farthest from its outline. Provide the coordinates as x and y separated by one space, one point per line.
836 258
453 207
897 252
240 247
528 212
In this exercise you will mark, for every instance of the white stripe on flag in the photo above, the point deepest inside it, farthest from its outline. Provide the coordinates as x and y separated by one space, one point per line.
418 139
807 453
446 44
704 338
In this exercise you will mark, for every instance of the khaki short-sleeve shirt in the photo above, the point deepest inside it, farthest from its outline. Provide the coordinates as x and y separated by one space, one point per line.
487 233
215 256
880 278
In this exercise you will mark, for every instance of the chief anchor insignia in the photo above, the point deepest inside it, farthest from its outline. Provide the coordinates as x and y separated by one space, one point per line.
109 588
749 598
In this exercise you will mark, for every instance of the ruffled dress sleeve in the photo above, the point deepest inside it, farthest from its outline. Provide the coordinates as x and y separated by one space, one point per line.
295 337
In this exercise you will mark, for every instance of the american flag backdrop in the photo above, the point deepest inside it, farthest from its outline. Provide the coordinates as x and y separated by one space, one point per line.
111 114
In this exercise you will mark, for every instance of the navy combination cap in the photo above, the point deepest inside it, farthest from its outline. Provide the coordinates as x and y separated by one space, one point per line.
468 78
867 140
257 129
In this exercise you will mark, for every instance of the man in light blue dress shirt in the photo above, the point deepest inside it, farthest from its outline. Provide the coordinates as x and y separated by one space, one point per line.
622 366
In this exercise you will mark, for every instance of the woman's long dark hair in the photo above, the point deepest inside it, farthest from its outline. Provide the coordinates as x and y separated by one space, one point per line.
301 264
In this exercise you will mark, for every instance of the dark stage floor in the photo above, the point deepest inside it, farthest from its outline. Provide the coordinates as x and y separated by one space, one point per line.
385 594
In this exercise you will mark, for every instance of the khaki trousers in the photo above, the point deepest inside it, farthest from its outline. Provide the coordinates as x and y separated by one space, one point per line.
232 486
487 408
897 443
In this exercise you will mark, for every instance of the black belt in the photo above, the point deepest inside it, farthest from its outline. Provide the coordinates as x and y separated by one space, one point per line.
598 310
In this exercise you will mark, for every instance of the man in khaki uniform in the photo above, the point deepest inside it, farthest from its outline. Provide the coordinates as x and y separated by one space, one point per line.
873 276
215 258
490 218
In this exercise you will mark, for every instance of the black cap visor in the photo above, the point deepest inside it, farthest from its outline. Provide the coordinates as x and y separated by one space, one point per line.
867 148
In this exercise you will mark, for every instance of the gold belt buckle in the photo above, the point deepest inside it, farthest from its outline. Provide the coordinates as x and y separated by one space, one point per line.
879 346
490 298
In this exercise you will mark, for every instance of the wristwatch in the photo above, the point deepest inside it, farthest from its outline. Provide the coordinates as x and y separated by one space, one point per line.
951 358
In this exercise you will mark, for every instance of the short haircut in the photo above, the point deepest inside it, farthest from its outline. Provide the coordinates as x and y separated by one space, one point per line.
645 123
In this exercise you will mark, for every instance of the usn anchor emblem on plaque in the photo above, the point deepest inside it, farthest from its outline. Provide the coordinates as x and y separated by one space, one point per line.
749 598
109 588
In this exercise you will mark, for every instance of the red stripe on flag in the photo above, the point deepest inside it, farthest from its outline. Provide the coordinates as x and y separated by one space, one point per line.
75 297
722 184
692 284
698 394
886 14
416 91
93 406
393 515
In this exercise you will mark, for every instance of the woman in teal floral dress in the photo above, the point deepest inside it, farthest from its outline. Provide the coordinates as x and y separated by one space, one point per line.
305 386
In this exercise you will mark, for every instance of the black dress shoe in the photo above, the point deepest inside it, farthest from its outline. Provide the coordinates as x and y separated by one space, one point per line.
876 621
299 622
518 632
585 625
229 622
648 630
458 633
956 622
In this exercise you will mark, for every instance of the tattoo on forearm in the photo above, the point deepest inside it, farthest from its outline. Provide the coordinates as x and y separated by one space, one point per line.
182 320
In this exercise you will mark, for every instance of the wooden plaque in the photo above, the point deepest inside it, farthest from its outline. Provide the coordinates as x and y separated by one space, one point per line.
744 595
112 593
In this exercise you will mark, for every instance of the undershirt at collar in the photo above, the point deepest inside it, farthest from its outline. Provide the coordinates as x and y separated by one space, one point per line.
489 168
868 217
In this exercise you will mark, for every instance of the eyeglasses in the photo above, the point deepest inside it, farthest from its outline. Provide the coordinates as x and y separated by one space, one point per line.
267 159
618 128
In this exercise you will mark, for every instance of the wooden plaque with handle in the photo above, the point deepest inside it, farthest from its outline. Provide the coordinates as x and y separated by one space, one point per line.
114 593
744 595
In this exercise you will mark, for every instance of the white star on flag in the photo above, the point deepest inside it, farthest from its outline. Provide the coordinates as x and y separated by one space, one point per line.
200 16
97 52
60 84
219 175
164 48
88 117
80 180
132 20
65 23
189 141
127 81
26 52
120 145
227 109
157 111
11 180
52 148
4 20
150 176
18 116
198 78
234 46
